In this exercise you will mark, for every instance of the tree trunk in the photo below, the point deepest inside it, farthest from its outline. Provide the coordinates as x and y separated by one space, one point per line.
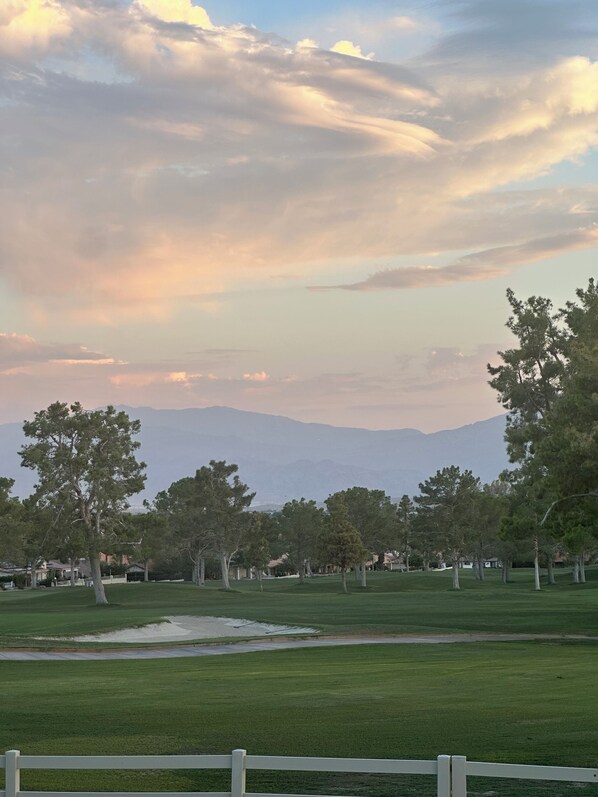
72 576
259 578
407 562
301 571
224 570
344 579
550 570
308 571
478 567
426 564
363 573
33 575
456 584
146 570
195 571
575 570
96 577
202 573
582 568
537 586
505 570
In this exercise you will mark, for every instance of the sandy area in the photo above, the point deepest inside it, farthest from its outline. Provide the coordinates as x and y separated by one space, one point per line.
184 627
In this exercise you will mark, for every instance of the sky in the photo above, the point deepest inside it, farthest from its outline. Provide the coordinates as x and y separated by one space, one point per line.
310 209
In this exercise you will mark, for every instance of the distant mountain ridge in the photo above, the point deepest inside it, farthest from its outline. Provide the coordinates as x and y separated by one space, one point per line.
281 459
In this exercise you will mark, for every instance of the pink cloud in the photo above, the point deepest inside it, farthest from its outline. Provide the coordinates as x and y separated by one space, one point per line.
485 265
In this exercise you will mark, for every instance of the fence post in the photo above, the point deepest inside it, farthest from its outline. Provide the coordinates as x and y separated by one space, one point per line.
458 776
444 776
237 785
13 773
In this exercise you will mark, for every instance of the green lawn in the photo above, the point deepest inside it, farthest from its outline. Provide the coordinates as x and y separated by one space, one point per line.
393 603
513 701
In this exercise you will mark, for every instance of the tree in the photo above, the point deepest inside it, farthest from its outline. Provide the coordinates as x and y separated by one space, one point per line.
569 445
578 524
342 546
40 537
225 499
301 524
188 527
424 540
505 549
256 551
445 507
527 499
86 465
529 379
488 508
373 515
548 385
147 537
405 517
12 527
206 514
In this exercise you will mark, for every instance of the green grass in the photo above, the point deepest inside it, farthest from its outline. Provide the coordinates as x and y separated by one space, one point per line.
528 702
393 603
516 701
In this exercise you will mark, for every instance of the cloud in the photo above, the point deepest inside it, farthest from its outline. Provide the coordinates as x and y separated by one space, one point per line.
19 350
404 23
227 352
348 48
307 44
520 32
177 11
33 374
156 157
484 265
446 370
32 27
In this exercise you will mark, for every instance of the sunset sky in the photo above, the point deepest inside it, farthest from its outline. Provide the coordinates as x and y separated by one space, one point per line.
310 209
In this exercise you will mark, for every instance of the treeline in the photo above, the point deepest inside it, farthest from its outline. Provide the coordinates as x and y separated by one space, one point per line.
204 524
453 519
545 505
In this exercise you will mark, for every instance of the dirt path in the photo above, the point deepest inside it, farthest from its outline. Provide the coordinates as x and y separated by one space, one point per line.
260 645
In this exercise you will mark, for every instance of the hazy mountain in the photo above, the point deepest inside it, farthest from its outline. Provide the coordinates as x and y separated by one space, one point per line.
283 459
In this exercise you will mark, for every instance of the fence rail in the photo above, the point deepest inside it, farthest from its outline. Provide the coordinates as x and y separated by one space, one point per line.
450 772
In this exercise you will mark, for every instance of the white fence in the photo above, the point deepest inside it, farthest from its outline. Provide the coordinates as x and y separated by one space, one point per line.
450 772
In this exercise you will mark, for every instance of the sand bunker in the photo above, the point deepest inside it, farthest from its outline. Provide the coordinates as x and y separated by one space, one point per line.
182 627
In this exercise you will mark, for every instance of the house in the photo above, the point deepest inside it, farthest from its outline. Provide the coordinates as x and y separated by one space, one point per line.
61 571
135 572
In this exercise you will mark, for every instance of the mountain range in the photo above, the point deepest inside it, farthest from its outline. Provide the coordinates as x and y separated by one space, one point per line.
281 459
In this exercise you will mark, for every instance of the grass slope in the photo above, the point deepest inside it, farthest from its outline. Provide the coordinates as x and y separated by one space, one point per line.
516 701
526 702
393 603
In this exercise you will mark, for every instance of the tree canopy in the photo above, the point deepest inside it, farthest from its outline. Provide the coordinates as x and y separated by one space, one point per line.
301 525
446 508
87 469
549 385
207 514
